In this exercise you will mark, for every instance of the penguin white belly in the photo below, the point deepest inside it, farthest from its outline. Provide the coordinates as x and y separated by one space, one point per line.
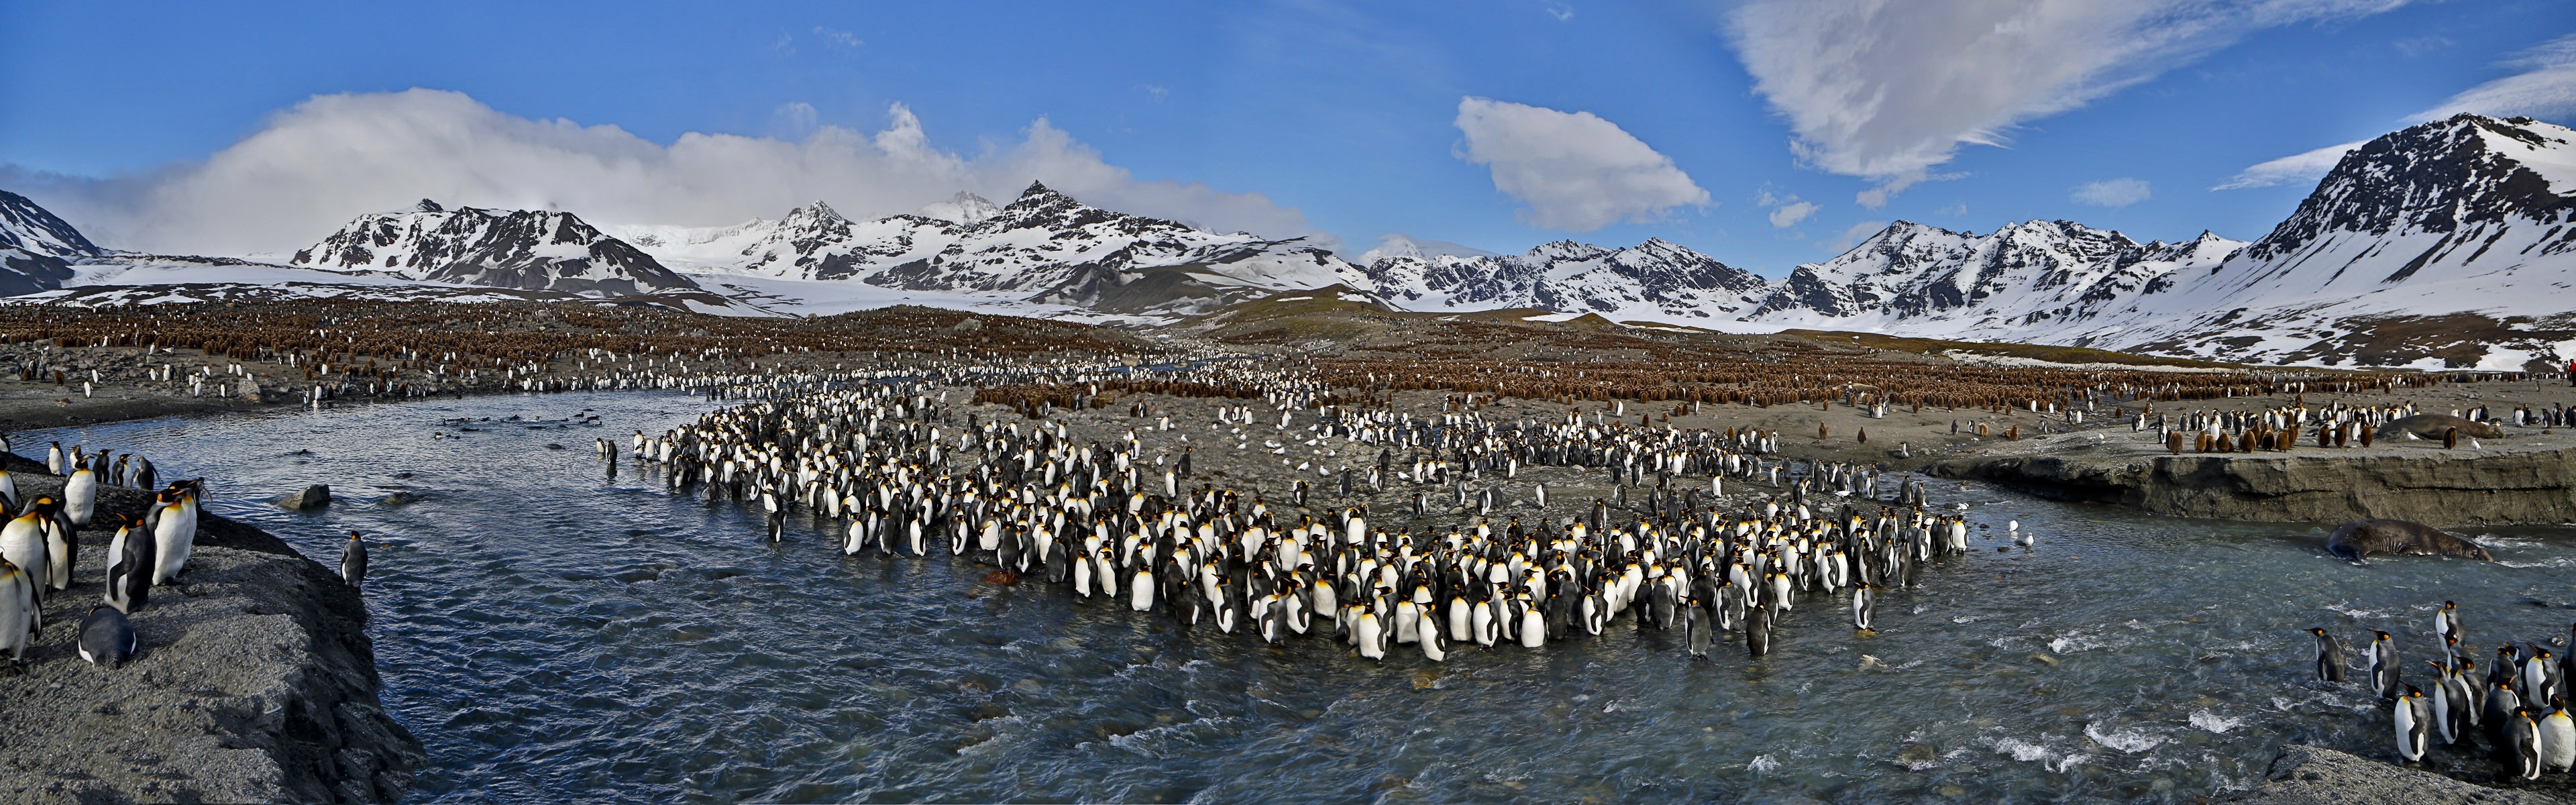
80 497
22 542
1431 648
2409 733
1372 641
1459 620
2557 741
1533 628
18 613
1141 592
1483 624
1408 622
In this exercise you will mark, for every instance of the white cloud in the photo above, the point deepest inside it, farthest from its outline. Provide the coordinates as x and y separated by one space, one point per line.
332 157
1786 211
2305 166
2546 86
1574 170
2120 192
1853 234
838 37
1887 89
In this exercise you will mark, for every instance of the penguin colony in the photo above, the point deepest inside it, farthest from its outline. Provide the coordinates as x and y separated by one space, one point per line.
324 350
894 472
39 549
2517 708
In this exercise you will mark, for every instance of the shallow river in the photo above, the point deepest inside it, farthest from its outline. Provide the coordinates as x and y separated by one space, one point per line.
551 633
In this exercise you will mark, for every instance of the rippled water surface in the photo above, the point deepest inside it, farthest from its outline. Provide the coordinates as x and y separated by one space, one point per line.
554 633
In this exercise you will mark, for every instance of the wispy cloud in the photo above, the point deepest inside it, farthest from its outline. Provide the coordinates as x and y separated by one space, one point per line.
2305 166
1574 171
2113 193
2546 86
332 157
1889 89
838 37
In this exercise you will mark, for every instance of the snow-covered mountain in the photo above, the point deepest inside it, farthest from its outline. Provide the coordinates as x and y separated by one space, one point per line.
36 248
1043 247
1652 280
518 249
2448 243
2033 277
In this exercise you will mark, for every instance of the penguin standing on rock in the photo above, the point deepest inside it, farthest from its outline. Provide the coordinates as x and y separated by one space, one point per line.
353 560
129 565
2411 721
21 619
2557 738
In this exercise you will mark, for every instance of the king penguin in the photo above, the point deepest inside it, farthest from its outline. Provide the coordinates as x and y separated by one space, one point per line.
21 619
106 637
2330 665
80 495
353 560
1862 604
2557 738
129 568
2410 717
22 543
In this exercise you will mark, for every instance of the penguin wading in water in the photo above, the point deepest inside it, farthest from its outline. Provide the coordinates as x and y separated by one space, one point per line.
106 637
2330 665
1862 605
2383 666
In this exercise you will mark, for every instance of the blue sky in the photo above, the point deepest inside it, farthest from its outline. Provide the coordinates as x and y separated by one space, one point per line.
191 127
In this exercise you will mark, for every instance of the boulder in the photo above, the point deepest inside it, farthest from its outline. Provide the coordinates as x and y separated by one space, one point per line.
311 497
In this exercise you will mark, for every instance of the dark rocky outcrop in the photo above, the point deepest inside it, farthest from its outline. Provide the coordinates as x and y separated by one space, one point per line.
2437 487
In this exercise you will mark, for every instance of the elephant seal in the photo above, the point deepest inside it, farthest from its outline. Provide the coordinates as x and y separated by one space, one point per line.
2430 426
2354 540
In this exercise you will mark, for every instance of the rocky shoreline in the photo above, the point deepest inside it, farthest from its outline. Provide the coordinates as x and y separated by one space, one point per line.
2310 775
2496 485
255 682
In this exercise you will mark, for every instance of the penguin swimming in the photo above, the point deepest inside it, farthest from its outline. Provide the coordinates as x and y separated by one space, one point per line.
106 637
353 560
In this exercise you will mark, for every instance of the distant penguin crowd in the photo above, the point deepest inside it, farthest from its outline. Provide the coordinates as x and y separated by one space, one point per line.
2517 708
893 471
